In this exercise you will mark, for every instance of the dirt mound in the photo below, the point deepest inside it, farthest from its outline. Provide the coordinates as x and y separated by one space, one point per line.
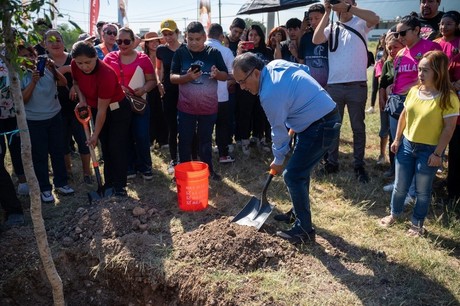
231 246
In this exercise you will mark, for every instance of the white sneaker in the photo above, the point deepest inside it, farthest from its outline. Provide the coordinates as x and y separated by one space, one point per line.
226 159
389 187
370 110
65 190
171 166
47 197
23 189
231 148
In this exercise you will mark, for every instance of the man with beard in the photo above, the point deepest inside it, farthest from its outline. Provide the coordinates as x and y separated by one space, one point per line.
430 17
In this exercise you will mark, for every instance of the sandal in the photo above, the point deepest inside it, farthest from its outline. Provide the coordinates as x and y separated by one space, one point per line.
416 231
387 221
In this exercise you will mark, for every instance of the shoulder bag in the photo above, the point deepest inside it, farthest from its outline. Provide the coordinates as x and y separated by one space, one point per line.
395 103
370 55
137 103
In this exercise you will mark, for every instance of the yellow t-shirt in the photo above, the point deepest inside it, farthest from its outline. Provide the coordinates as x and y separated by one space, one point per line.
425 118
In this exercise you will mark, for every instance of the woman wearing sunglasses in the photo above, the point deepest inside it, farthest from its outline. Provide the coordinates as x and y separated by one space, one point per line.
406 68
126 64
109 36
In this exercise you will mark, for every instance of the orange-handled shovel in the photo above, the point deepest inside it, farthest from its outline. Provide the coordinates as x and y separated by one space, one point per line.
83 115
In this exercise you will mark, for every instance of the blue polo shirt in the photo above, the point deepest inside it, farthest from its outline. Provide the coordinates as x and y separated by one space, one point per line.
290 98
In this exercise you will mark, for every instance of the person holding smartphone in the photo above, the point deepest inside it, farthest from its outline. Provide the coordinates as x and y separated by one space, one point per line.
198 101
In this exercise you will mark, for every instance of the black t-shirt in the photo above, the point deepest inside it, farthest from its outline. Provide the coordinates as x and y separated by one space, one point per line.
264 53
430 27
165 55
285 53
233 45
67 104
315 57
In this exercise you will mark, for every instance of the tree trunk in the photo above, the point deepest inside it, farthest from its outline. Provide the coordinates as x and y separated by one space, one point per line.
26 153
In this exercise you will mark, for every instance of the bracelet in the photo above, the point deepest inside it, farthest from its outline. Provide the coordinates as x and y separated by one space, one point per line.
348 8
436 154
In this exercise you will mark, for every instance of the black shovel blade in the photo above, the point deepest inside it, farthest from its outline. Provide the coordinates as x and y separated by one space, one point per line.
94 196
254 214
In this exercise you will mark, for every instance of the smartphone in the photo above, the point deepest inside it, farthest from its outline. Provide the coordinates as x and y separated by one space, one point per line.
41 63
334 1
248 45
195 67
305 15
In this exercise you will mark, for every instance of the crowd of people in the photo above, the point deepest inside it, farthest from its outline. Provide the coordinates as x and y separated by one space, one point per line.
231 84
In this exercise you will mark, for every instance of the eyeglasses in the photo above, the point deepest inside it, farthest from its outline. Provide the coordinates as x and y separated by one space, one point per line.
123 41
243 81
402 33
113 33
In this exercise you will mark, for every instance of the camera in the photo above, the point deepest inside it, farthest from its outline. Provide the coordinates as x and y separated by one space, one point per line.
41 63
334 1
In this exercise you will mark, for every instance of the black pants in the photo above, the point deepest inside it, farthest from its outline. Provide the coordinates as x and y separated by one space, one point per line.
8 199
114 139
453 174
8 125
158 126
223 126
249 115
170 109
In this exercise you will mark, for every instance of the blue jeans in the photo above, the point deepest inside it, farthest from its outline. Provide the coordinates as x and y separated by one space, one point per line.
203 125
412 164
46 137
139 151
311 145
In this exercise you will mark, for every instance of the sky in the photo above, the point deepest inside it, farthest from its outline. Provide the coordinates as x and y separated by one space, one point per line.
148 14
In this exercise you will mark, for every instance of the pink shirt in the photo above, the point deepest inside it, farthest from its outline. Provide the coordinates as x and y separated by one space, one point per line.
408 59
450 48
142 60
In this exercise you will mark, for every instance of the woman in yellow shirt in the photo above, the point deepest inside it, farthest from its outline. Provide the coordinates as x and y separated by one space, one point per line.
424 130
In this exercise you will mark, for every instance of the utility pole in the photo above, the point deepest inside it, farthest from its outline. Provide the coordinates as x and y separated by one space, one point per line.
220 19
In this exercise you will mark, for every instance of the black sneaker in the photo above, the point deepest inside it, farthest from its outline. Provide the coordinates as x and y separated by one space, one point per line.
215 177
330 168
361 175
120 192
297 236
288 217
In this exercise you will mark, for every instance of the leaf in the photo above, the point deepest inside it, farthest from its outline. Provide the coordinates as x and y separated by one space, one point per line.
75 25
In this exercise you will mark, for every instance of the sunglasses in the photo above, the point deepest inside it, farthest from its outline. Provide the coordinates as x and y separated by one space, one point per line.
113 33
402 33
123 41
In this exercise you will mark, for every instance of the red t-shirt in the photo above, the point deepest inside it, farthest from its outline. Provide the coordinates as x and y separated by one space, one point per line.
101 83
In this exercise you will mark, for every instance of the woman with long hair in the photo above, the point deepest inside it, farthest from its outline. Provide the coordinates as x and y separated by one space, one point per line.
158 127
126 64
424 129
249 112
275 37
97 86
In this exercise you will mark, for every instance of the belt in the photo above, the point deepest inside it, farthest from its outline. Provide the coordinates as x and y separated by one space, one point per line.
351 83
328 116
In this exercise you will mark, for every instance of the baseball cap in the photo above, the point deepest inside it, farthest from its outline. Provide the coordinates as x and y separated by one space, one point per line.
168 25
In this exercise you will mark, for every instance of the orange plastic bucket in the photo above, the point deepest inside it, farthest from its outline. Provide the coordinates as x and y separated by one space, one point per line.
192 180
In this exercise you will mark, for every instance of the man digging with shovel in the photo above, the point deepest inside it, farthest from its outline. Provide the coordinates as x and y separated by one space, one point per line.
293 100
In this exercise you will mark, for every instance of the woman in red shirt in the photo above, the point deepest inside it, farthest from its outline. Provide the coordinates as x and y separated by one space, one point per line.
96 85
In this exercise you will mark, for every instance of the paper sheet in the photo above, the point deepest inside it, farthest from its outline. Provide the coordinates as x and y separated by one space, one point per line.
138 80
